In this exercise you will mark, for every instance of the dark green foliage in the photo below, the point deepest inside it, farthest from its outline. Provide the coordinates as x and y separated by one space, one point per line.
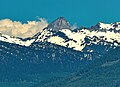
103 72
45 65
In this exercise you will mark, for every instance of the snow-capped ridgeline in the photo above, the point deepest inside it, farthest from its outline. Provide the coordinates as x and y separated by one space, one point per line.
52 28
59 33
76 39
11 39
43 35
112 26
107 36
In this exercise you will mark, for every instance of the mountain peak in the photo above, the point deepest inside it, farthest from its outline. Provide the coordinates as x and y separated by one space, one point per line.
58 24
102 25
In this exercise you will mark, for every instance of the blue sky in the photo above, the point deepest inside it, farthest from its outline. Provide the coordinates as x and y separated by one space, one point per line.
82 12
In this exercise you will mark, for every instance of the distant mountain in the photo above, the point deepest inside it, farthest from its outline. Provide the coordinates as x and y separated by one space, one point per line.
85 51
52 29
76 39
58 32
59 24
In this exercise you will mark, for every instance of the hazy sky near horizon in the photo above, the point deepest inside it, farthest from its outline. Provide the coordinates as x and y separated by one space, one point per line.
82 12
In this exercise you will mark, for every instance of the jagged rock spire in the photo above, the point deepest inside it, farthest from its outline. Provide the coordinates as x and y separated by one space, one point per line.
58 24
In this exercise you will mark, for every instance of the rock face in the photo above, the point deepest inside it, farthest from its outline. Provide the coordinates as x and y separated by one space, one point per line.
58 24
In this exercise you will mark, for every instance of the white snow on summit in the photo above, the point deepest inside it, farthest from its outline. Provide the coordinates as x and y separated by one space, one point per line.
100 25
59 33
76 39
105 26
11 39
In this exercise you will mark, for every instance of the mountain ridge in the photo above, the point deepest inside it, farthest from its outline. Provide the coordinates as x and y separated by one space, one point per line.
107 33
83 55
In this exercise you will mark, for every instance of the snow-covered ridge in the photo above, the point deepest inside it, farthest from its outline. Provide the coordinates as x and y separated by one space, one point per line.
76 39
108 36
112 26
12 39
59 33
